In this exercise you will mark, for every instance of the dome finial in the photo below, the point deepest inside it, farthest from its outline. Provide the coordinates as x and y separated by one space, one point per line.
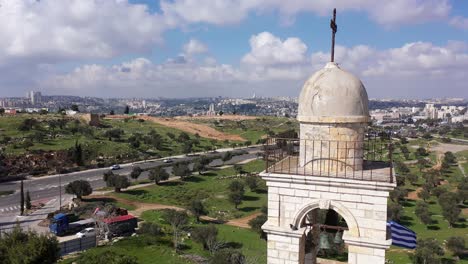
334 28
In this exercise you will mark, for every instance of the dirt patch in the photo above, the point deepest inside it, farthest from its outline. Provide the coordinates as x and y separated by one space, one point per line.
444 147
242 222
465 211
223 117
190 127
414 194
140 207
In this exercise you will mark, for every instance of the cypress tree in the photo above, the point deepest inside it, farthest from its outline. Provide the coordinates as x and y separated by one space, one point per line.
22 198
28 200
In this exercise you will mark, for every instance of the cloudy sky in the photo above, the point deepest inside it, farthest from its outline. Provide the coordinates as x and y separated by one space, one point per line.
186 48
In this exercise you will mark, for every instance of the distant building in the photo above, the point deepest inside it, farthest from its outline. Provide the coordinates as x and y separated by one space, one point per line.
34 97
430 111
10 111
211 111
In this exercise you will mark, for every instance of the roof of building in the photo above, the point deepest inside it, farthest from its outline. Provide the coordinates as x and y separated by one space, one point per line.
332 95
118 219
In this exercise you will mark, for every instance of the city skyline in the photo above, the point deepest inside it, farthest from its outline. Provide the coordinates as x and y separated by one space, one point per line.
149 49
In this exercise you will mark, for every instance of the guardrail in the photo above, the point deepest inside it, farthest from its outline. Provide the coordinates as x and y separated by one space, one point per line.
368 160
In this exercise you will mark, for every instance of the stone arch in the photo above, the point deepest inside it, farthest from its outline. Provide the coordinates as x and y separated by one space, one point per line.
329 204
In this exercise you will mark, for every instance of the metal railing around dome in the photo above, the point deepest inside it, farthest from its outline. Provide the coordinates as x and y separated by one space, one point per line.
368 160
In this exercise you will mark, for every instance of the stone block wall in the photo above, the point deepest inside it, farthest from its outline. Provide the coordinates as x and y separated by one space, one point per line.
362 204
332 146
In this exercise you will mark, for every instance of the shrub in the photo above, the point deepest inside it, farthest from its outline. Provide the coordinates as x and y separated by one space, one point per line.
197 208
181 169
158 174
205 235
147 228
256 224
456 244
228 256
428 251
28 247
252 182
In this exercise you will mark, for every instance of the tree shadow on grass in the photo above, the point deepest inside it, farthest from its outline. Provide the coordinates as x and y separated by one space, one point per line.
248 208
172 183
433 227
447 261
459 225
135 192
234 245
214 221
464 256
184 247
209 174
194 179
100 199
250 198
408 203
406 220
260 191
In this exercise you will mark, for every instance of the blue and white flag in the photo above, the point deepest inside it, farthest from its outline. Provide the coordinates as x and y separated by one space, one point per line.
402 236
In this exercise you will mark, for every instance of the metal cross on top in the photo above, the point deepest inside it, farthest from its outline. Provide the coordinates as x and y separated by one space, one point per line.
334 28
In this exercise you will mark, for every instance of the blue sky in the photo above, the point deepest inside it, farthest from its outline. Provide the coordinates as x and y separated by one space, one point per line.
179 48
228 43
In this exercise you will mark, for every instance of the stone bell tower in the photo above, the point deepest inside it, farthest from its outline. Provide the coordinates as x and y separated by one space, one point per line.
331 166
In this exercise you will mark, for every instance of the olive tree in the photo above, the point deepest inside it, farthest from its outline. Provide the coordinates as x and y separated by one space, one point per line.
79 188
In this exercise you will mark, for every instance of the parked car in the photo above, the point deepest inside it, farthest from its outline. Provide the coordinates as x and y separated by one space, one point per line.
115 167
168 160
87 232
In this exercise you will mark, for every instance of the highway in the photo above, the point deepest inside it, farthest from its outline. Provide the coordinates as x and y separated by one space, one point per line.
47 187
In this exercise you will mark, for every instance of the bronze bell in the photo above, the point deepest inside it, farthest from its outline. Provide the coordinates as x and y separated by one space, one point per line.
338 238
324 242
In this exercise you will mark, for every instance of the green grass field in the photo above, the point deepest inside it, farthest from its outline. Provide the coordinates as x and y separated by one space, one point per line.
440 229
148 249
59 134
210 187
96 142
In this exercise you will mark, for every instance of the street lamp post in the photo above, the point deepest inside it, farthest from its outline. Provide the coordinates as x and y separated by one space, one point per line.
60 191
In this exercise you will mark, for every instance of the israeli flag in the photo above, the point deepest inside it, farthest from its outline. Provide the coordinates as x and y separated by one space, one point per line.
402 236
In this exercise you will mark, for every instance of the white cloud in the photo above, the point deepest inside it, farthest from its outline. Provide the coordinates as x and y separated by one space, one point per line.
194 47
140 77
459 22
267 49
50 31
385 12
407 71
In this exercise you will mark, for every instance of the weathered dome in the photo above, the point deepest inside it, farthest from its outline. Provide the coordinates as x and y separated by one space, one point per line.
333 95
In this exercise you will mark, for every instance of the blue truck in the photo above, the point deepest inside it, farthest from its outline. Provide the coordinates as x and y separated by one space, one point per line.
61 226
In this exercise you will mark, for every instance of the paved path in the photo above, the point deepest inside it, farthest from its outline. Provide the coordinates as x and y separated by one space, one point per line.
31 221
